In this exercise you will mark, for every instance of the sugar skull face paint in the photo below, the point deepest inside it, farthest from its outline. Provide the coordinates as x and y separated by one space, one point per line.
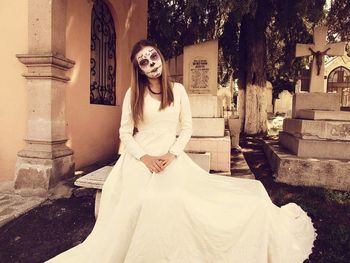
149 62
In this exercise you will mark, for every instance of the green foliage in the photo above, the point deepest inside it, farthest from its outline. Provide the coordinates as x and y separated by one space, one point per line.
338 20
177 23
174 24
339 197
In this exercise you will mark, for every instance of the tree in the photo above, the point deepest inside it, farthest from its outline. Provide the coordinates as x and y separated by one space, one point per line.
338 20
256 41
177 23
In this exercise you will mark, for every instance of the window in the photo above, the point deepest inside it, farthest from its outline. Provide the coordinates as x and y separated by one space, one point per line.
103 55
339 82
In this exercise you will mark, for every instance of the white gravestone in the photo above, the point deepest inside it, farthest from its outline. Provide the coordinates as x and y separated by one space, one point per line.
269 96
200 67
284 103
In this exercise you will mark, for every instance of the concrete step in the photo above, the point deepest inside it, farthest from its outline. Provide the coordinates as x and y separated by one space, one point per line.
326 149
315 101
207 127
212 105
318 129
290 169
324 115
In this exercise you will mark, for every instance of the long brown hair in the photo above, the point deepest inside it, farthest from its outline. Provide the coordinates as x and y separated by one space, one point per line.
139 82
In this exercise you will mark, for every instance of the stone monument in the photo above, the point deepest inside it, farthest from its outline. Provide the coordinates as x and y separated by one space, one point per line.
318 50
200 79
316 140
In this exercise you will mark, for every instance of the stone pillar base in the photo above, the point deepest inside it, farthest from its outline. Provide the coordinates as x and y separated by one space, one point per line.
35 176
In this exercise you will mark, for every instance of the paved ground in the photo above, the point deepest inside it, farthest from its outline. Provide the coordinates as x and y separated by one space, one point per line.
13 205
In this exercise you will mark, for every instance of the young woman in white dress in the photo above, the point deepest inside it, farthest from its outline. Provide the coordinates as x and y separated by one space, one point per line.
158 206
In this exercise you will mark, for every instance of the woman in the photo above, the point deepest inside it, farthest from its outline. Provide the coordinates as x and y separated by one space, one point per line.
158 206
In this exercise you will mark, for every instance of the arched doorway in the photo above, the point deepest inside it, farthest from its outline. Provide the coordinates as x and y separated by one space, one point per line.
339 82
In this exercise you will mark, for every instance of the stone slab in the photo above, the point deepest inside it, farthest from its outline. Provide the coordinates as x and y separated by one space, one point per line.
201 158
326 149
289 169
207 127
324 115
219 148
315 101
200 67
317 130
206 106
94 179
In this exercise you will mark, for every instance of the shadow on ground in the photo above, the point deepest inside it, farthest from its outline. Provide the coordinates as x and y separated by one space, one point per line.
329 209
56 226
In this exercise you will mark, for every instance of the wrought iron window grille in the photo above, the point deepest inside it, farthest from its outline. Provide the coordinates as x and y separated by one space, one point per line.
103 55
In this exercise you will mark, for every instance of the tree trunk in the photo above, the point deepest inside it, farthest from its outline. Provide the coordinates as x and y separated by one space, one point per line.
255 110
241 106
252 67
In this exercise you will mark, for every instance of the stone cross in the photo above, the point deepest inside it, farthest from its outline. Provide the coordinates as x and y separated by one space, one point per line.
318 50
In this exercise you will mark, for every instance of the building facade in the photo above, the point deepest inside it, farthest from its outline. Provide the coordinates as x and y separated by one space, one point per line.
65 70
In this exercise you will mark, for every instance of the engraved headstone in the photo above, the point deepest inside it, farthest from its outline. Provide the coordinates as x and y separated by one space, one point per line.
201 68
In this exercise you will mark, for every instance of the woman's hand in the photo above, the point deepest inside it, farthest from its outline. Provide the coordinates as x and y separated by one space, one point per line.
153 163
167 159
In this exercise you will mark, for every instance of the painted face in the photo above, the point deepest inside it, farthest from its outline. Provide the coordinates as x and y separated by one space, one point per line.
149 62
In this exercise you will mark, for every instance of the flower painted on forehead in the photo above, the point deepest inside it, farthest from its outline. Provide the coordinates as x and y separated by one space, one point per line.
149 62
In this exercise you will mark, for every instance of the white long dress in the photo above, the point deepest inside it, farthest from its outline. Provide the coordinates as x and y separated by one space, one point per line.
184 214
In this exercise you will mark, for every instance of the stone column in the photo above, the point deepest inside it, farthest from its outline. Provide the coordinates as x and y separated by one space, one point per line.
46 159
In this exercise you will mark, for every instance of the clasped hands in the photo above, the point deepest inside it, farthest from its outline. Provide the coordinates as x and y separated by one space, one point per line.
157 163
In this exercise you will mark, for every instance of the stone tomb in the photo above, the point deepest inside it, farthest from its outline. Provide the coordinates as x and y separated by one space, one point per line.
200 79
290 169
315 143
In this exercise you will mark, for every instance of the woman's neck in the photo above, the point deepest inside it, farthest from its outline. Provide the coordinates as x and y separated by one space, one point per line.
154 84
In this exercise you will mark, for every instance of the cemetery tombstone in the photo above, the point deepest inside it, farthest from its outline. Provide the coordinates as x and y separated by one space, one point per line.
200 67
284 103
318 50
316 141
269 97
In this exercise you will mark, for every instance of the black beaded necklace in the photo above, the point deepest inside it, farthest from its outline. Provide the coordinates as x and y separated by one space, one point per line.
156 93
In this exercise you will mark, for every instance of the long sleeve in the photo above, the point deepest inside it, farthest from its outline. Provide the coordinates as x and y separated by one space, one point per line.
127 127
185 123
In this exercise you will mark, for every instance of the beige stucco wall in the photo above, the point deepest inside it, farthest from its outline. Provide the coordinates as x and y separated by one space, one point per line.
13 100
93 129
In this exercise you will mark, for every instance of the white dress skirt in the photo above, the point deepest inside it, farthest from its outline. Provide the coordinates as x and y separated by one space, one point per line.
185 214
